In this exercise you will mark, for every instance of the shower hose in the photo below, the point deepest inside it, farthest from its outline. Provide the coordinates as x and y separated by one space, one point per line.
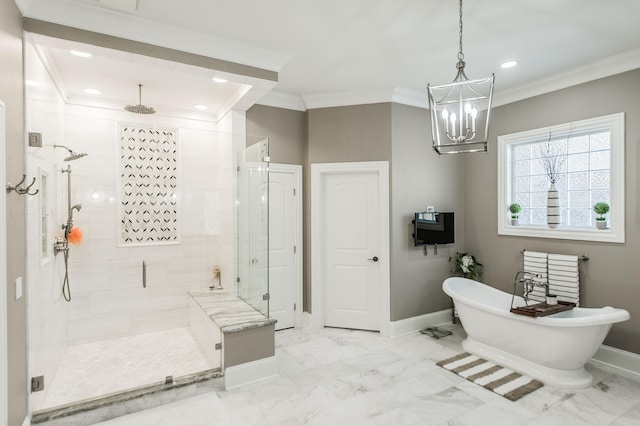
66 290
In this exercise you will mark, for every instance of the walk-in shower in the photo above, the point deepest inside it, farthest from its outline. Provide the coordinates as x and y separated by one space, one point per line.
160 204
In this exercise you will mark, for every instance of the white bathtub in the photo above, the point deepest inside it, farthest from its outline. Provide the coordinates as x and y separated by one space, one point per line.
552 349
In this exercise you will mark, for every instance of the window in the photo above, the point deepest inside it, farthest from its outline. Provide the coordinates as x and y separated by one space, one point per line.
586 159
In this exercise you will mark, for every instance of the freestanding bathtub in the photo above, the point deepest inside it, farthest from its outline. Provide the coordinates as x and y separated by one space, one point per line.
552 349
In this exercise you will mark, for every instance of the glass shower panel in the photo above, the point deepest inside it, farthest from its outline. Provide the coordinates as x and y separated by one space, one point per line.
253 226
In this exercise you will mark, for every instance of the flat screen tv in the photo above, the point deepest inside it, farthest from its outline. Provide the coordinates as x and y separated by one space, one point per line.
430 232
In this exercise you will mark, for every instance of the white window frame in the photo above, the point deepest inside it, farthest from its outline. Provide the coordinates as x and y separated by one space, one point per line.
616 232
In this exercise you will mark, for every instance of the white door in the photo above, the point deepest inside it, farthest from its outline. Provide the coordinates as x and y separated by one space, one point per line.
284 253
351 250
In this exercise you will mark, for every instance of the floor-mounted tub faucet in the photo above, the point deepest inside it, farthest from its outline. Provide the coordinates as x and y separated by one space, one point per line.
529 282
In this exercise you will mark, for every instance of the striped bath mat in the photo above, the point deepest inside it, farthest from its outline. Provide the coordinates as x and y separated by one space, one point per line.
500 380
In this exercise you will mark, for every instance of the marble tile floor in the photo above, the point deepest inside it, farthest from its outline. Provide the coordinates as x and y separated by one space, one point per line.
345 377
99 368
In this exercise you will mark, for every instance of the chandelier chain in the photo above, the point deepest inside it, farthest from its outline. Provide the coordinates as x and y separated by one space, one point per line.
460 54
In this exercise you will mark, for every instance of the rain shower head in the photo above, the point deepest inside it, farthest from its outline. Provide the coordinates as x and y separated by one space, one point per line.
72 155
140 109
75 156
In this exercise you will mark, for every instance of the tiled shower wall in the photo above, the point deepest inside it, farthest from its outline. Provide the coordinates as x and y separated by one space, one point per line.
109 298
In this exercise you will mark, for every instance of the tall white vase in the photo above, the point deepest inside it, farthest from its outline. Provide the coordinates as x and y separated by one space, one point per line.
553 207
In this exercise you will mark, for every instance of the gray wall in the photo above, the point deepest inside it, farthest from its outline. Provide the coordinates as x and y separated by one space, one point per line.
419 178
286 130
352 133
11 93
611 276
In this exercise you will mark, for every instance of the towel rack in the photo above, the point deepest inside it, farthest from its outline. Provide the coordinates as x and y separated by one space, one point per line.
584 257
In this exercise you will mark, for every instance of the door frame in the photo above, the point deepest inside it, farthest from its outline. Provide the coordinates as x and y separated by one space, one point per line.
4 370
296 170
318 240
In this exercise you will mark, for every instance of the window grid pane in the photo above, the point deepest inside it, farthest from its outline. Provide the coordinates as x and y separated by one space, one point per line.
584 177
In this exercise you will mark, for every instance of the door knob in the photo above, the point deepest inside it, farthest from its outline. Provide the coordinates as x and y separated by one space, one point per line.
374 258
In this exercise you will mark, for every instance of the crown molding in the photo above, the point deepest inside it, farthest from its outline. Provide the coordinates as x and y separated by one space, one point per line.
606 67
337 99
283 100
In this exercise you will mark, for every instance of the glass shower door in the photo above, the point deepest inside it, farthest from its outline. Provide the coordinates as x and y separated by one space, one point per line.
253 226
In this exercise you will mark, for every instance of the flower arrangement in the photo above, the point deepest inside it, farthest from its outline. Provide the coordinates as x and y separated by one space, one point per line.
468 266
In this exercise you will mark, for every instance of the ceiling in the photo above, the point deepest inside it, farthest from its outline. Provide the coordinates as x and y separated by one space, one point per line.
337 52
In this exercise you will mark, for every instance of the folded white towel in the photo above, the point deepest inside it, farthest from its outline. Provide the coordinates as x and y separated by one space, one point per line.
528 253
563 257
564 277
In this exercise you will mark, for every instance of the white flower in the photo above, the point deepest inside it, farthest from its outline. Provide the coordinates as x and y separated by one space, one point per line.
466 264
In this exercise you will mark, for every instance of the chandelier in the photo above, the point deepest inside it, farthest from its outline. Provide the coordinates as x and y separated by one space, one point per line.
460 111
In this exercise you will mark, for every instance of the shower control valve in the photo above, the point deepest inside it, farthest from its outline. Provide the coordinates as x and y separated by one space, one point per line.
60 245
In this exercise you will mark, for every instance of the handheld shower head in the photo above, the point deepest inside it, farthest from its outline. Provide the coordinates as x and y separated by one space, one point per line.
72 155
69 225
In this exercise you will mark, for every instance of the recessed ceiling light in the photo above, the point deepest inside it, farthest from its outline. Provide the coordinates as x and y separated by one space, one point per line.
92 92
31 82
80 54
509 64
219 80
200 107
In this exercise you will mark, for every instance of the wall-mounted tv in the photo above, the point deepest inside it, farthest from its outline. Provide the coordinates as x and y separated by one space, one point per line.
430 232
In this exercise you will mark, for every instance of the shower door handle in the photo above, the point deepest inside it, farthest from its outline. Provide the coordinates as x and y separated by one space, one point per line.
144 274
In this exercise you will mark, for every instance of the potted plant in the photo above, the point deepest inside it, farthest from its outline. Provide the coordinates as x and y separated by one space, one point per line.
515 210
601 209
468 266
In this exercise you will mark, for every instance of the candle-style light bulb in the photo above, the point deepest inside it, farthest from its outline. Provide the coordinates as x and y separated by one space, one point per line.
445 117
474 114
453 123
467 108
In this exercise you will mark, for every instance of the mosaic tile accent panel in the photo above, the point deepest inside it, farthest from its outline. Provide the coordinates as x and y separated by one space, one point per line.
148 179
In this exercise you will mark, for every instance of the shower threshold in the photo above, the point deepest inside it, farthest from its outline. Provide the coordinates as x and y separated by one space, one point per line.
90 411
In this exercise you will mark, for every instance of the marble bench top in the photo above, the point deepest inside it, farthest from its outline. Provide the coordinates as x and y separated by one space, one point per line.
231 314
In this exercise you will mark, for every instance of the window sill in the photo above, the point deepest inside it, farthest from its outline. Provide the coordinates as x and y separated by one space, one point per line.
609 235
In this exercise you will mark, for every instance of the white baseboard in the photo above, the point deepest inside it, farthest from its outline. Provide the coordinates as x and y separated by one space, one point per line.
415 324
27 421
250 372
307 320
618 361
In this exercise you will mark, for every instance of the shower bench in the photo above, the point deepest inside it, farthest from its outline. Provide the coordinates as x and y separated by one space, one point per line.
233 336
